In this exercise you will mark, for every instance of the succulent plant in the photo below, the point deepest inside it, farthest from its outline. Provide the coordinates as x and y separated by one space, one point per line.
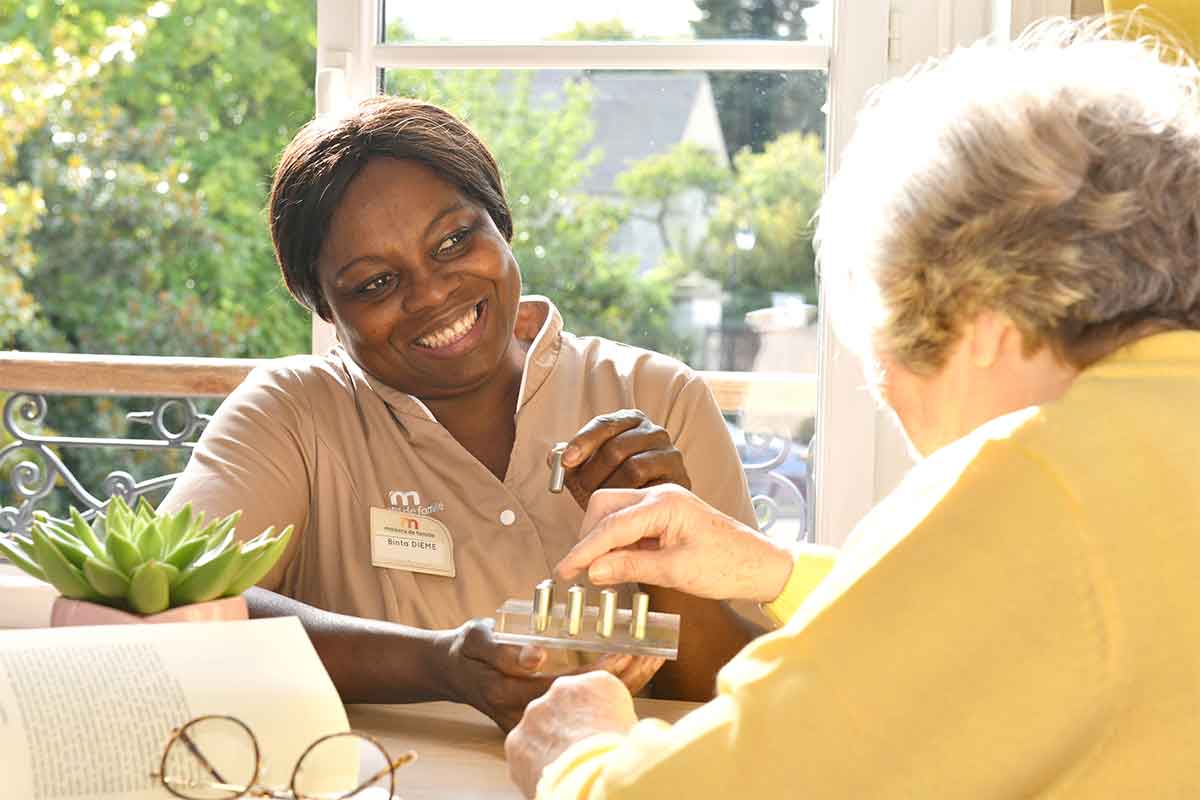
144 561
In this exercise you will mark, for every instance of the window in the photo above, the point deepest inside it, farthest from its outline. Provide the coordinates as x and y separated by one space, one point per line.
139 139
677 149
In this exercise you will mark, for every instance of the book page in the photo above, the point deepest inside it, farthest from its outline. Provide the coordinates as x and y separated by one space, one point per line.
86 711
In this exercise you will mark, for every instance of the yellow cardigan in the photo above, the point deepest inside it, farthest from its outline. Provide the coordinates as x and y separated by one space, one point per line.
1021 617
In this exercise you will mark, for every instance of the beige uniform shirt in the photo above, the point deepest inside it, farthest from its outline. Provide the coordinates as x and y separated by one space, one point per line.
316 442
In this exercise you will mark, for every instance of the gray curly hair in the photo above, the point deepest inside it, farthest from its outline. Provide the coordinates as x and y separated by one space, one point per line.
1055 179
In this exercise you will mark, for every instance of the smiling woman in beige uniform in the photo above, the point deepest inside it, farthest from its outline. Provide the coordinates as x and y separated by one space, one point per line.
412 457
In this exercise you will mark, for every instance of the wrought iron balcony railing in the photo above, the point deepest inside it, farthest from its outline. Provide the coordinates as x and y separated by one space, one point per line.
33 462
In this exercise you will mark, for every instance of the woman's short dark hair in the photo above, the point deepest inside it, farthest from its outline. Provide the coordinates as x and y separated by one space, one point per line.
326 154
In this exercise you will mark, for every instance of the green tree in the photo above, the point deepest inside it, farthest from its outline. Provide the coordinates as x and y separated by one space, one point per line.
756 107
25 81
153 171
659 185
774 194
609 30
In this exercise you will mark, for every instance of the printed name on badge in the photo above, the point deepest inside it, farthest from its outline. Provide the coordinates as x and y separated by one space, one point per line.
411 542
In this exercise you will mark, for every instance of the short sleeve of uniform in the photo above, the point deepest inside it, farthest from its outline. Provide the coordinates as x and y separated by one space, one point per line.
698 431
963 649
255 455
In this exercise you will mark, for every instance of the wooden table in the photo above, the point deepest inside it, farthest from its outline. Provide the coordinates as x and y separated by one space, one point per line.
460 751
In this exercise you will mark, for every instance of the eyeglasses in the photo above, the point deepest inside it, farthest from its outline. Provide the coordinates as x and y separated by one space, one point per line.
216 757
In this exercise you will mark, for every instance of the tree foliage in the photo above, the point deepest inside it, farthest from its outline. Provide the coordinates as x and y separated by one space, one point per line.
151 153
757 107
773 194
608 30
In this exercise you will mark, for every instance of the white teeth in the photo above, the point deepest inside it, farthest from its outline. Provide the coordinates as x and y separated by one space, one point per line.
452 332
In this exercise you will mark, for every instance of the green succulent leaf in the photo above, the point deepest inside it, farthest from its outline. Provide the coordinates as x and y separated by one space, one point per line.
258 561
145 511
65 577
85 534
185 553
150 589
105 579
208 578
150 541
11 549
173 573
71 548
225 527
258 543
120 518
177 526
124 553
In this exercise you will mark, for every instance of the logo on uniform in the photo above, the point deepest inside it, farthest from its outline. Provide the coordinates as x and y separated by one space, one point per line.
409 502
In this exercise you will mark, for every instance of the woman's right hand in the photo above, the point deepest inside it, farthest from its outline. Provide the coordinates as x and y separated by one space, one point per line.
500 680
666 536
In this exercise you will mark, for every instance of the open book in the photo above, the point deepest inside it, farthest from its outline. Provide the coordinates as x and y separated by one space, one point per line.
85 712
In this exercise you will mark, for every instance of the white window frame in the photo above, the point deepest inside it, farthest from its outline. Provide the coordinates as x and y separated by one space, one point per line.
859 455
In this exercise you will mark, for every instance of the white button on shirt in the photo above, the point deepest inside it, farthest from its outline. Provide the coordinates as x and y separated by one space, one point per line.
507 517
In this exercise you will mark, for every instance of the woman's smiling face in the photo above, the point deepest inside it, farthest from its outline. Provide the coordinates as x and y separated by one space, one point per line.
421 286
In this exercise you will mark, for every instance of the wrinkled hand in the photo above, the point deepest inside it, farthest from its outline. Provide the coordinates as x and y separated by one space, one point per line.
666 536
500 680
575 708
621 450
633 671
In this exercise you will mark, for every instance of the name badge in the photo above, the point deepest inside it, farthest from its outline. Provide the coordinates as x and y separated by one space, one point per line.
410 542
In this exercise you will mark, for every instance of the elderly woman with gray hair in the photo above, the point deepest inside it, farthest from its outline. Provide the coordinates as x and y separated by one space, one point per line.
1013 244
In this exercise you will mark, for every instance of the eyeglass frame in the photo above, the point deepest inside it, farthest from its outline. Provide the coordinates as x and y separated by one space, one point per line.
253 787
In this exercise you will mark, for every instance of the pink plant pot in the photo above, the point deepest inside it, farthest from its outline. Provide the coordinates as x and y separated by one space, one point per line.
66 612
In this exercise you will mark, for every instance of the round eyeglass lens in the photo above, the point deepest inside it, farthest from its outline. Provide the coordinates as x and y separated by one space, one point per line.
212 758
342 765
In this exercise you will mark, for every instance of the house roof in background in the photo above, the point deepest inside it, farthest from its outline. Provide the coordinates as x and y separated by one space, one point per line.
636 114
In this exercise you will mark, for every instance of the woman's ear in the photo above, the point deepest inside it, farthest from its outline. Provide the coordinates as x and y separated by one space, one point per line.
988 336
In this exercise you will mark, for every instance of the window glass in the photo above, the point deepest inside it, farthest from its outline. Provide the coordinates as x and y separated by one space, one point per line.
673 211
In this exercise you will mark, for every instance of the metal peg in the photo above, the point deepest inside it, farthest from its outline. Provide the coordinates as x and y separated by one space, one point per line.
640 611
543 596
575 600
608 612
558 473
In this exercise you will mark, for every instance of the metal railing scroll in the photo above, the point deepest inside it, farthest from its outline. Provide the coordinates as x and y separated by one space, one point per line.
174 422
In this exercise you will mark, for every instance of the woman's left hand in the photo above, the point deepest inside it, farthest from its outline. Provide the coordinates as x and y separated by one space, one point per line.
575 708
621 450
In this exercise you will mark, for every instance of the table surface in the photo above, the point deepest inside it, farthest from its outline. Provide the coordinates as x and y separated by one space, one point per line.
460 752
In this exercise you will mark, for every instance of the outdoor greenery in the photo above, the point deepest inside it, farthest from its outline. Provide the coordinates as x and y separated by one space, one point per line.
139 137
756 107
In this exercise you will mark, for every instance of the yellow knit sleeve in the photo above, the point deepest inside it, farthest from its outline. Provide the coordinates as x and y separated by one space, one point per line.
811 565
899 674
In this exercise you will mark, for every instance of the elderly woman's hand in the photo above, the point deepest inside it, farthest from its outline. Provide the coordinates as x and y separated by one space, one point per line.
621 450
574 709
666 536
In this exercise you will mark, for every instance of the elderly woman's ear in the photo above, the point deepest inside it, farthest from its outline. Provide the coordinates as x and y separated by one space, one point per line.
989 335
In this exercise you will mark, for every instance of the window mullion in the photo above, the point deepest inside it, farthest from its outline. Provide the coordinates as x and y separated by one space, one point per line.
691 55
